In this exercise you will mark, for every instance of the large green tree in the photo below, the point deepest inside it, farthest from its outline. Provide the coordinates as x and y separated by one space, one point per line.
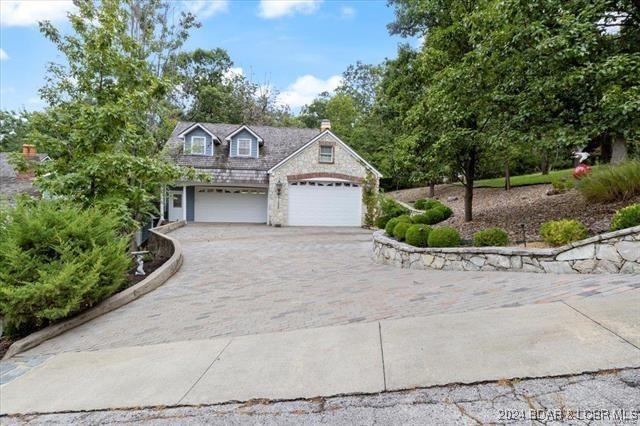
100 102
505 77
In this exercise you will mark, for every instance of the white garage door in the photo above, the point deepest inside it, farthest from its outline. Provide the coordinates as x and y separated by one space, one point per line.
230 205
325 204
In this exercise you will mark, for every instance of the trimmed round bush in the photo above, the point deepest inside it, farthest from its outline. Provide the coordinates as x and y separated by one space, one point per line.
401 229
391 223
381 221
404 218
419 204
431 217
418 235
445 211
426 204
444 237
626 217
57 260
561 232
491 237
419 218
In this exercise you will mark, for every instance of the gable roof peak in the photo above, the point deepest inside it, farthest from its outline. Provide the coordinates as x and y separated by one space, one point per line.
248 129
201 126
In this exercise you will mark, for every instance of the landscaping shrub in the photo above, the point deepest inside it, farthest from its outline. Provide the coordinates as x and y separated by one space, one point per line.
56 260
562 184
391 223
626 217
431 217
381 221
612 183
445 211
444 237
491 237
404 218
391 208
401 229
560 232
426 204
418 235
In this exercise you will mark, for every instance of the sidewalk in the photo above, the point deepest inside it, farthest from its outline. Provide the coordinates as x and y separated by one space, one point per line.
531 341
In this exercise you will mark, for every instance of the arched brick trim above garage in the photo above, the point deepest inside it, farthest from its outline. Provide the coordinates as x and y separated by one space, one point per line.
320 175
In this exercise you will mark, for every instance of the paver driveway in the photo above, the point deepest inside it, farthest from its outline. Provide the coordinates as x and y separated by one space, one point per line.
239 280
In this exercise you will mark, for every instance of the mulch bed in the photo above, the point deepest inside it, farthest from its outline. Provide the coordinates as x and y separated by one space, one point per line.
149 267
530 205
132 279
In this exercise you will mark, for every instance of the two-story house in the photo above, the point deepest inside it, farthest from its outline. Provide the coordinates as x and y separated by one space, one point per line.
261 174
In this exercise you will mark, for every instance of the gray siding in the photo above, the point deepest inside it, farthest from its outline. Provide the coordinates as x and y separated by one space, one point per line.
191 199
199 132
233 146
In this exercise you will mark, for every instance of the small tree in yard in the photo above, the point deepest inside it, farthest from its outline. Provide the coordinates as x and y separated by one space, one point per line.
98 131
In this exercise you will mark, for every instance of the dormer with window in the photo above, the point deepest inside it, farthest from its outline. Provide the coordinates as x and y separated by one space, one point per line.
244 143
197 140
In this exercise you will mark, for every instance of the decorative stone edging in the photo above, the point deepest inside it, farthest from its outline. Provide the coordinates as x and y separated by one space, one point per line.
613 252
153 281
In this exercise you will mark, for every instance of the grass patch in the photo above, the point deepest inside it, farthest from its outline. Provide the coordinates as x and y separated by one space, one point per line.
525 180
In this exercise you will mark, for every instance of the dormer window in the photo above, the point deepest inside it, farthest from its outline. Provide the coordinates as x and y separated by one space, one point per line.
244 148
198 145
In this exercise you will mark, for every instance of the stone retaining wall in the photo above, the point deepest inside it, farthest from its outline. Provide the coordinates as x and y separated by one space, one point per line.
613 252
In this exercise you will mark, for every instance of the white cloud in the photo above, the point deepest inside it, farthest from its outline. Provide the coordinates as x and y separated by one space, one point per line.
204 9
233 72
3 55
24 13
306 88
347 12
271 9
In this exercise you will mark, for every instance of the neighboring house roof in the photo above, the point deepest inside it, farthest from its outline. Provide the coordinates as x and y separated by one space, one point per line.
12 182
345 146
278 142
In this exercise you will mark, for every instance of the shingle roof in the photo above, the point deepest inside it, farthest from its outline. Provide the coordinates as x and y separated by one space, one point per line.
13 183
279 142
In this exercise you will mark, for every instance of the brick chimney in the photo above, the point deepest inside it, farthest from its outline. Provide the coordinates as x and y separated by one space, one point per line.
325 125
29 150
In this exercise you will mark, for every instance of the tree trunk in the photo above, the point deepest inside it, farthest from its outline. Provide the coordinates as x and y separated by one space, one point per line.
432 189
470 172
544 167
507 176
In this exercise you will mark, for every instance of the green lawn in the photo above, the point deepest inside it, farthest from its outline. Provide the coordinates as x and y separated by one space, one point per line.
523 180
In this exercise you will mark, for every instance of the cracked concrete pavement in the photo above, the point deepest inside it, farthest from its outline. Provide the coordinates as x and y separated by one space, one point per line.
603 398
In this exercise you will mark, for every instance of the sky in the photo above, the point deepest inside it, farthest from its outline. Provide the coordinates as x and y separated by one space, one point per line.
300 47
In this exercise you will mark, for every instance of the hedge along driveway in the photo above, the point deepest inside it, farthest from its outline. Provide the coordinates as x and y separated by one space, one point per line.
251 279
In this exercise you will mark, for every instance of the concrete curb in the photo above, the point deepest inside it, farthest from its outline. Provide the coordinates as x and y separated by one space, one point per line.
153 281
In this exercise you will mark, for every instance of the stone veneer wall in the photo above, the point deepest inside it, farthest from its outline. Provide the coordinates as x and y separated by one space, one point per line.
307 162
613 252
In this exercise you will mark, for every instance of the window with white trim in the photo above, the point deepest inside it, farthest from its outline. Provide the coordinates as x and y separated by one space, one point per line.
326 154
198 145
243 148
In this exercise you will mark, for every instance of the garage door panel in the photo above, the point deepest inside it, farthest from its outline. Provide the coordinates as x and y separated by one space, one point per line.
229 205
325 205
